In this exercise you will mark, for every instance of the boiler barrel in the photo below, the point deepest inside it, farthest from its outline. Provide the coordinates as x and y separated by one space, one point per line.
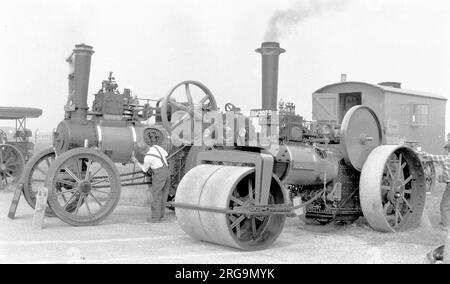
305 165
73 134
117 142
116 139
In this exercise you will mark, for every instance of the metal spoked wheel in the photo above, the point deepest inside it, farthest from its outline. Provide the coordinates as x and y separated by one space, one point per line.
35 173
430 173
88 177
227 187
392 189
251 231
12 164
170 105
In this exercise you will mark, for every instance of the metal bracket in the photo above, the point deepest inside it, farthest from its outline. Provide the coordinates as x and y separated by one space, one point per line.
13 208
263 164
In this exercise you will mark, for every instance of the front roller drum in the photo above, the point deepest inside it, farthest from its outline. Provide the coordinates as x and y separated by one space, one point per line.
227 187
88 177
392 189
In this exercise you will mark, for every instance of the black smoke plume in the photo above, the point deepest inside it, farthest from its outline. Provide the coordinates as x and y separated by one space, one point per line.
283 21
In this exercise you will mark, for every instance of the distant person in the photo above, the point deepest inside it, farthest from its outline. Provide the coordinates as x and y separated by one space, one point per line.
153 161
437 255
444 161
350 102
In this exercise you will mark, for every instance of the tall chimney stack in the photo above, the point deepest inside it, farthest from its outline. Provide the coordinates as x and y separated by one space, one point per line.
270 52
80 66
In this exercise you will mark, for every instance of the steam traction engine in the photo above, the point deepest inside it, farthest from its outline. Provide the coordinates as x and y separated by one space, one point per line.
15 152
81 169
238 197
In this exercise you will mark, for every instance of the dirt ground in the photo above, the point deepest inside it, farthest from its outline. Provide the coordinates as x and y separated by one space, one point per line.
125 237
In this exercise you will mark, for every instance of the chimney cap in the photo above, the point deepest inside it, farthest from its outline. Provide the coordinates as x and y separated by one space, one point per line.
83 48
270 46
82 45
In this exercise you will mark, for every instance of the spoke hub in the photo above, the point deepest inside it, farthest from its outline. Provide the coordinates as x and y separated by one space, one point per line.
398 186
396 192
85 187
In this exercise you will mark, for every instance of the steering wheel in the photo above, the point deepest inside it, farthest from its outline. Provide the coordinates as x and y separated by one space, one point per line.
231 107
208 102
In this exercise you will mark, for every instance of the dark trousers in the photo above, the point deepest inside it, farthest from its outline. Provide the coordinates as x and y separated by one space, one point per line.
445 207
159 190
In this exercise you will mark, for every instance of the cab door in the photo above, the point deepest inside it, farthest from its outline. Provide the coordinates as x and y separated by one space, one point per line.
325 107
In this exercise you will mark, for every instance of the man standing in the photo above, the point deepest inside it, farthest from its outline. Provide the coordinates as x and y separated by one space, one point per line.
437 255
444 161
152 160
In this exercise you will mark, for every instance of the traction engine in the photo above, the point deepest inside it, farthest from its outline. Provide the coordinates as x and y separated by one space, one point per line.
81 168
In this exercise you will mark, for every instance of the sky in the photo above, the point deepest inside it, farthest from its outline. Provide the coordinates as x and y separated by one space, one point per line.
153 45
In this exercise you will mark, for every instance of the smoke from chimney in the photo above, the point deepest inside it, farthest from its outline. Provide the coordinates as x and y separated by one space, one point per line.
282 21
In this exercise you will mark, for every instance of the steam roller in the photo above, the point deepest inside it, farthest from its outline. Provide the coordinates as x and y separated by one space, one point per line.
320 170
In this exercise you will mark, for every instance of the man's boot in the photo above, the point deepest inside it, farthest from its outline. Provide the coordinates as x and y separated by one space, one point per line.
436 255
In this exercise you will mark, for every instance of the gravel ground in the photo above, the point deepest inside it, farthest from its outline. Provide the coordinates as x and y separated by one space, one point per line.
125 237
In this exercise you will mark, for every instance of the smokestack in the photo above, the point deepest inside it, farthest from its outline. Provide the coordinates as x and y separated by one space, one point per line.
270 52
80 66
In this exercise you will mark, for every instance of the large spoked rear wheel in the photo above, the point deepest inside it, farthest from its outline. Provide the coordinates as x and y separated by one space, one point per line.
392 189
35 173
87 176
12 164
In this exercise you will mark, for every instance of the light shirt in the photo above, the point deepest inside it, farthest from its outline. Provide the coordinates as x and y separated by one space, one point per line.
444 161
152 160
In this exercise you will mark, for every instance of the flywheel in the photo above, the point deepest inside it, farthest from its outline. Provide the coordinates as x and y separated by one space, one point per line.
360 133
